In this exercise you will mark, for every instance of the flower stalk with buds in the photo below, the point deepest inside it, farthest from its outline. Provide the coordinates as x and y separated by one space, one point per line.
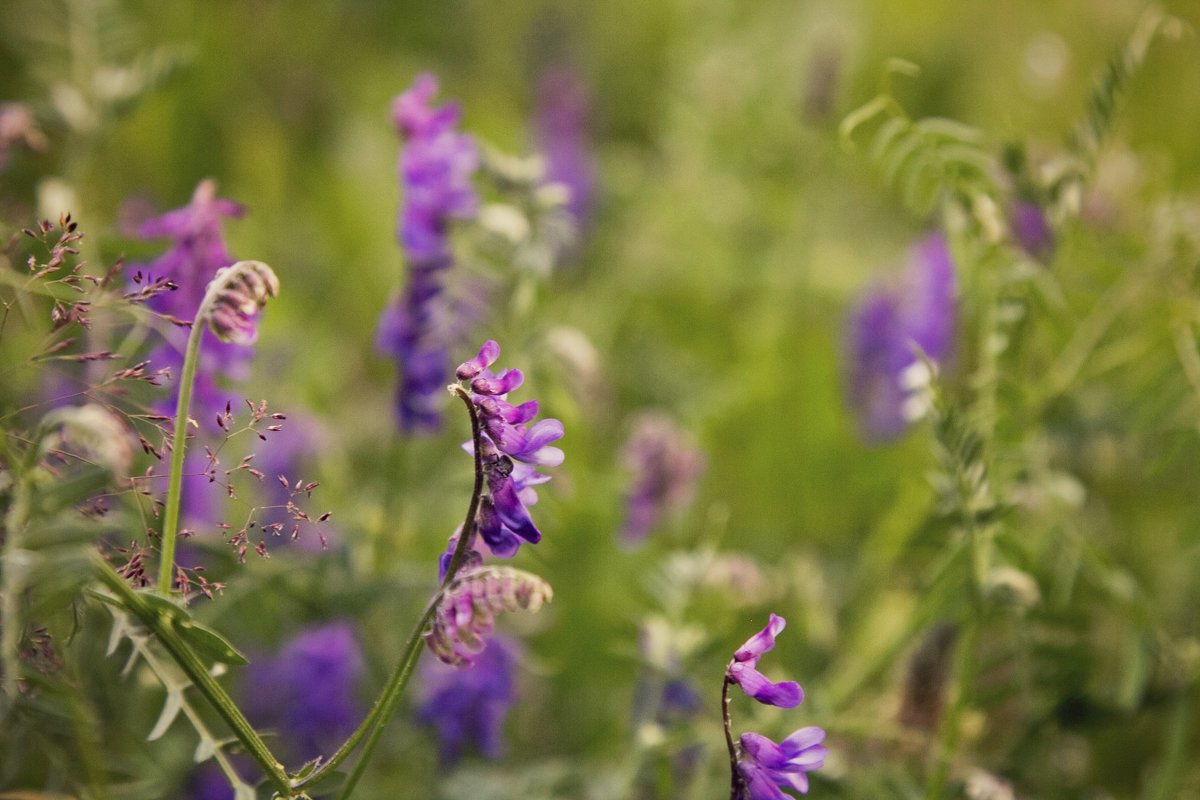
229 308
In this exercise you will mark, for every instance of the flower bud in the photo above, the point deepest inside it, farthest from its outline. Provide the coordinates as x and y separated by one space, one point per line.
467 612
245 288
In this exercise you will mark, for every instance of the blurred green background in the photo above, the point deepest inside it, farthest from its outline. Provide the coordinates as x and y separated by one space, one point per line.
733 231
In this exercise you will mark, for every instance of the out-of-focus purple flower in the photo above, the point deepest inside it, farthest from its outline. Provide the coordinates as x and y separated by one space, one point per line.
886 327
562 139
1031 230
742 669
467 706
308 690
436 165
512 450
665 463
208 782
197 250
767 768
467 613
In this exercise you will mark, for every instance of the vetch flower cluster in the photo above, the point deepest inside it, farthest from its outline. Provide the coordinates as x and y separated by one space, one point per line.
761 769
887 328
436 166
742 670
469 605
511 450
767 768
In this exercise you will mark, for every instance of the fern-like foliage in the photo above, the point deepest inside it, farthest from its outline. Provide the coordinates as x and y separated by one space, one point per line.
1094 128
176 702
930 161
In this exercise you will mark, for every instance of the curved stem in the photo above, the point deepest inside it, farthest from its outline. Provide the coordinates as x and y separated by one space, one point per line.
736 783
372 726
191 359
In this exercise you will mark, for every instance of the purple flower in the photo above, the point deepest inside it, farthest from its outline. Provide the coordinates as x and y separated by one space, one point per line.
766 767
512 450
435 169
665 464
467 706
1031 230
562 115
308 690
887 327
742 669
196 252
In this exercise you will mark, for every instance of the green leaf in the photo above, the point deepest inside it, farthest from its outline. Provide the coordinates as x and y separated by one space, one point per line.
205 641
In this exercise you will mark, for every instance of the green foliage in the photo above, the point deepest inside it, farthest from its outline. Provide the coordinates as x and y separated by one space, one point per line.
1044 509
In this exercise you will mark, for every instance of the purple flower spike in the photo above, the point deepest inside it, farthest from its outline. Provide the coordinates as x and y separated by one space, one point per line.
511 453
887 328
435 169
741 670
467 707
665 463
767 768
197 251
562 138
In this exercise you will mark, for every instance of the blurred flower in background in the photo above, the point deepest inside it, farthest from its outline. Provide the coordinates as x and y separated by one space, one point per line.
888 327
1031 229
467 706
196 251
664 463
436 165
563 141
308 691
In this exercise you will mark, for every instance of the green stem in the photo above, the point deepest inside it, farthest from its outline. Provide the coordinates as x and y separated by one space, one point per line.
12 579
372 727
191 359
195 669
952 725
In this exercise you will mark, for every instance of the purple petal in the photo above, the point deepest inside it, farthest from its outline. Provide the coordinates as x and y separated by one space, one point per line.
487 356
759 782
501 384
802 740
760 642
785 694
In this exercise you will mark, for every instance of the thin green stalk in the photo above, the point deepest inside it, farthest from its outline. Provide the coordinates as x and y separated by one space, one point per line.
385 705
191 358
12 580
201 678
